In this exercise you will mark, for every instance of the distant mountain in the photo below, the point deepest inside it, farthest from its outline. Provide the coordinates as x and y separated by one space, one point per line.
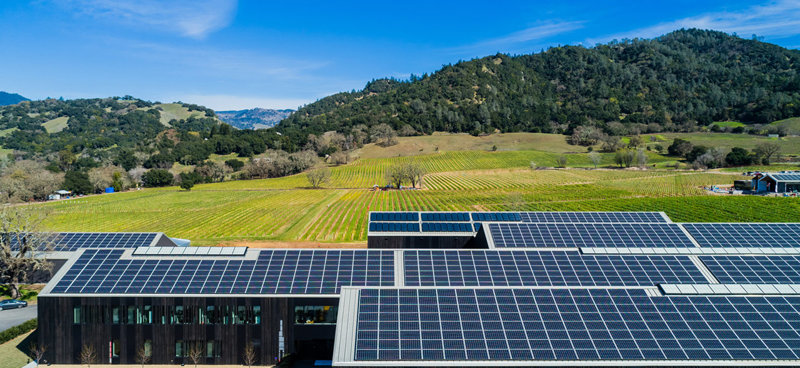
10 98
253 118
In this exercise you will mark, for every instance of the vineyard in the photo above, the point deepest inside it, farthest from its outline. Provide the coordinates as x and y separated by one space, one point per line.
283 210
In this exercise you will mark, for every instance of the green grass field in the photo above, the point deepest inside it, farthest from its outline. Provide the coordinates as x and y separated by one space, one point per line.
725 124
789 145
56 125
14 353
175 111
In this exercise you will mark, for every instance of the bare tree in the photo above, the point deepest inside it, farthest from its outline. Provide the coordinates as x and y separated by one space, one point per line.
22 245
100 177
195 353
87 355
339 158
36 351
595 158
395 175
414 172
641 158
143 355
407 131
383 135
766 150
250 355
317 177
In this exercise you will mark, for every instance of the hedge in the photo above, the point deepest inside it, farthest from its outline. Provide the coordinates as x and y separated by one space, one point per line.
15 331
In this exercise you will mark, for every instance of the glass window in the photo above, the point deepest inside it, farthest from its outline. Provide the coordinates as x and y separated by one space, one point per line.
147 315
131 315
241 315
178 315
76 315
257 313
210 349
179 351
209 316
115 348
148 348
115 315
315 314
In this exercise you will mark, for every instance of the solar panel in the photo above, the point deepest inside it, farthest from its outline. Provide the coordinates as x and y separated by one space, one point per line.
786 177
544 268
394 226
274 272
745 234
496 216
446 227
535 235
394 216
754 269
67 242
593 217
445 216
572 324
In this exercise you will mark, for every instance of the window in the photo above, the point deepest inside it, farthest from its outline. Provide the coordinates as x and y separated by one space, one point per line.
257 313
178 318
179 348
115 315
148 348
76 315
131 315
146 316
315 314
115 348
241 315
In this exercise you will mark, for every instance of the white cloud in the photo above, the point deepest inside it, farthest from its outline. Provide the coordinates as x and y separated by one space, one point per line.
229 102
538 32
189 18
775 20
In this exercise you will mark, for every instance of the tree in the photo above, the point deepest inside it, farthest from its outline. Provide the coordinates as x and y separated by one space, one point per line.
641 158
635 141
595 158
407 130
157 178
88 355
612 144
738 157
187 184
766 150
383 135
143 355
317 177
235 164
23 247
414 172
624 157
36 351
195 353
679 147
101 178
77 182
250 355
562 161
696 152
339 158
395 175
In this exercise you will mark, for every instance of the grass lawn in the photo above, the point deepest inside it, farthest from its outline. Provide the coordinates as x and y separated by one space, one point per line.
56 125
14 353
789 145
792 123
725 124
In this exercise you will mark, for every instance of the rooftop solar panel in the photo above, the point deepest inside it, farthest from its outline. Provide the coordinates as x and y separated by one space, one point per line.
68 242
533 235
754 269
394 216
496 216
745 234
786 177
445 216
544 268
450 227
545 325
103 271
394 226
594 217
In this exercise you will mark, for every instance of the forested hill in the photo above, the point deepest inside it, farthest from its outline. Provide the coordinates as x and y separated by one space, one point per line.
10 98
253 118
675 81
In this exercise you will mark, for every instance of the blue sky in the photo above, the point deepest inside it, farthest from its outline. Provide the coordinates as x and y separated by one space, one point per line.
229 54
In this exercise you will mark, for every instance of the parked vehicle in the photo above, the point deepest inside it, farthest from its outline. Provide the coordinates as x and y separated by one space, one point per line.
12 303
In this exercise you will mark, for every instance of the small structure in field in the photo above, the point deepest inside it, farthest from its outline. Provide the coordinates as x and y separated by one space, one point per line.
779 182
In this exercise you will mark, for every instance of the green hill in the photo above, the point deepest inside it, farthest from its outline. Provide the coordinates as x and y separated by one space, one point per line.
669 83
10 98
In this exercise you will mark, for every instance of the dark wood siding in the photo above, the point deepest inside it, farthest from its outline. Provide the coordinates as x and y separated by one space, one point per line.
65 339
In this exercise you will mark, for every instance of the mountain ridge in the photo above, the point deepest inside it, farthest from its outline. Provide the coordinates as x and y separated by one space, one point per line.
7 98
256 118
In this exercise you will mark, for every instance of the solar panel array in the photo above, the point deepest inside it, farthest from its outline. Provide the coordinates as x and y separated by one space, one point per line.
754 269
394 226
786 177
274 272
745 234
536 235
572 324
445 216
446 227
496 216
544 268
394 216
593 217
68 242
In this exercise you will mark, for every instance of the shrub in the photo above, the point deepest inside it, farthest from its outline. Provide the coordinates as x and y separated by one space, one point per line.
13 332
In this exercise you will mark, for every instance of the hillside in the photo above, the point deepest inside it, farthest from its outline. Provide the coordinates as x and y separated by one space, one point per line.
670 83
10 98
253 118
